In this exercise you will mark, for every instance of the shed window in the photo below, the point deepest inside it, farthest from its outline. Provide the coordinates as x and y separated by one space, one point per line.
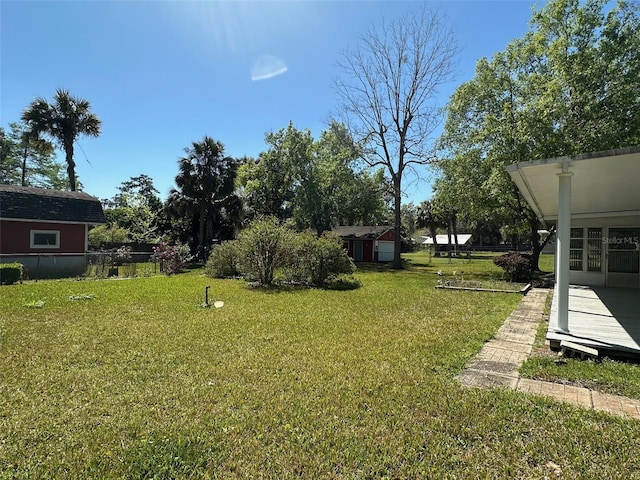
45 239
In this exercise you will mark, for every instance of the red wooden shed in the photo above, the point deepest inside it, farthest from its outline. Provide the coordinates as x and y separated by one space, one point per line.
368 243
46 230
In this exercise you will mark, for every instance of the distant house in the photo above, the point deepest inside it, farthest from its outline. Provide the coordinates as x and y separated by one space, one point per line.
46 230
368 243
442 241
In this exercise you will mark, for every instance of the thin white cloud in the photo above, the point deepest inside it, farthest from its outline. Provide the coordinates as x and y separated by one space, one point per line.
267 66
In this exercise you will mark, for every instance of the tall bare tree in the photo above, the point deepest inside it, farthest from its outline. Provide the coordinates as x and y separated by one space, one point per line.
389 90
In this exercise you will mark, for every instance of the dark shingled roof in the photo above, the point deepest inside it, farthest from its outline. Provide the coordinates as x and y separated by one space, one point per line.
30 203
364 232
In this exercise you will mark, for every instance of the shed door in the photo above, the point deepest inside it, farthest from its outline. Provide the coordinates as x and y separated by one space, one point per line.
623 264
357 250
385 251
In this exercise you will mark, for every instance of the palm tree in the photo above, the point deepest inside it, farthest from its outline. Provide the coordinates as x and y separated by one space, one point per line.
206 181
64 120
428 216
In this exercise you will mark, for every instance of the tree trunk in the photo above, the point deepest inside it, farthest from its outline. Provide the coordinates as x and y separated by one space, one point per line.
201 230
71 167
24 161
397 243
432 231
454 224
536 245
449 238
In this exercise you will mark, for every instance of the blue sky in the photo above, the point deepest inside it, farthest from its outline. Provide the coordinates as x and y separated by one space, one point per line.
162 74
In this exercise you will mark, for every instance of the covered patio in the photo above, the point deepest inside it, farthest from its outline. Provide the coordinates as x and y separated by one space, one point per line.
594 200
604 318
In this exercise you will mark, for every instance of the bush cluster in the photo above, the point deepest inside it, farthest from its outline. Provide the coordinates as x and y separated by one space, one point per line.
518 267
10 273
223 261
268 251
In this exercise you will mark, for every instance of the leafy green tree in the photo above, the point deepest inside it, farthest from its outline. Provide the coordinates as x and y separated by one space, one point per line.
328 188
268 183
388 91
587 87
205 192
64 120
315 183
28 160
365 199
296 153
140 187
137 208
9 164
409 219
566 87
348 194
102 234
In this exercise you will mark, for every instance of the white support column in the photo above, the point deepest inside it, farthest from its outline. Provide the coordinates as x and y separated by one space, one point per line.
562 251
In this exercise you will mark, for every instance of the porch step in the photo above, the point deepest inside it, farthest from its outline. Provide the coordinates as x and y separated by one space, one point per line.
582 350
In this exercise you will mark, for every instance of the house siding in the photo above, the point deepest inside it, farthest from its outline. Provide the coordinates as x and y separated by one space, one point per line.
15 237
387 236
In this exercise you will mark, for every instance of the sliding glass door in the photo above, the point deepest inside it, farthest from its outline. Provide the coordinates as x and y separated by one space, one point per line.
623 263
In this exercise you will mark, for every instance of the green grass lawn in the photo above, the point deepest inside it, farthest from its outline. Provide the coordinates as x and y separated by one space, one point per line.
140 382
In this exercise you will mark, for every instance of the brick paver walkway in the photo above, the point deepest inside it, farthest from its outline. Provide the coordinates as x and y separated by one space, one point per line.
498 362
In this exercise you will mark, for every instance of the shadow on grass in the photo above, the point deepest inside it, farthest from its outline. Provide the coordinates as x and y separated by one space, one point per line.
275 288
339 284
368 267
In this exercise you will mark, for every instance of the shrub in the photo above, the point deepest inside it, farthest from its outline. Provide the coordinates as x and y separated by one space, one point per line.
314 260
267 248
300 252
172 258
223 261
262 249
123 254
328 259
10 273
517 266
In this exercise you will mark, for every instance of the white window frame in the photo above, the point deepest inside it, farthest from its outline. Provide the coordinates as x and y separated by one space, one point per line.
33 233
580 249
587 249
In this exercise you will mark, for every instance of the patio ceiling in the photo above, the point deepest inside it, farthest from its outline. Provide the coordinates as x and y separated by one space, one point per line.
603 184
